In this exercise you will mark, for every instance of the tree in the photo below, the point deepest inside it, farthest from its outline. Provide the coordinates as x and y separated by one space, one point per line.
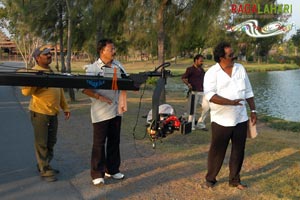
296 41
161 30
181 25
20 33
178 24
69 45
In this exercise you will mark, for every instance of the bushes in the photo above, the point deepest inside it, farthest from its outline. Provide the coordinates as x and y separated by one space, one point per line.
276 59
296 60
209 57
250 58
290 59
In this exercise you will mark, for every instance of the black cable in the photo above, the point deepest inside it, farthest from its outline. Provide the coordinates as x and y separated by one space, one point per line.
138 115
134 128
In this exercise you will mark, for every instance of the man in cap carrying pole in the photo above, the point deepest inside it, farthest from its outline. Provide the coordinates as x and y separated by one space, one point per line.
44 107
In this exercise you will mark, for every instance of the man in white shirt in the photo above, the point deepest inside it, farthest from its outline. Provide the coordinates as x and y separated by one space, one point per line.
227 88
106 118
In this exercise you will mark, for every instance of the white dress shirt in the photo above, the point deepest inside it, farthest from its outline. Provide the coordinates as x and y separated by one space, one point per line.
238 86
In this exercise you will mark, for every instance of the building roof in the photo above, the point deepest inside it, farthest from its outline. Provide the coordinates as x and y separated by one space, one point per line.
5 42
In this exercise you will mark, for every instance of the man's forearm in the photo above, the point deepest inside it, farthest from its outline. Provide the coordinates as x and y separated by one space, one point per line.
251 103
224 101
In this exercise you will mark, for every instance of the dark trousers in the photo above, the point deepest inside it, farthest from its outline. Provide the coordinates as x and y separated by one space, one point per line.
220 139
106 147
45 137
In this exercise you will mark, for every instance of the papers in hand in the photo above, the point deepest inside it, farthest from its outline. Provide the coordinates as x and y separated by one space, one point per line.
251 132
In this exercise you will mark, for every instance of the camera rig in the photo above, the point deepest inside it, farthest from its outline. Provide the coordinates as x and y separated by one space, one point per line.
160 126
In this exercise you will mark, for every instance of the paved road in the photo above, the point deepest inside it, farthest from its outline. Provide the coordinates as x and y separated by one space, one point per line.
18 175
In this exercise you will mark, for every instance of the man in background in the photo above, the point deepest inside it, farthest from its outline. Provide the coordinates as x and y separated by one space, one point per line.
193 78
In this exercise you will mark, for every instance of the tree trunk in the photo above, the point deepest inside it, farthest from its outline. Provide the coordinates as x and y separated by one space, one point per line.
69 48
56 58
61 40
161 34
160 43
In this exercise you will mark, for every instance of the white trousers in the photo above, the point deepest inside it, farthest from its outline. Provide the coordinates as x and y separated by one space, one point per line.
195 99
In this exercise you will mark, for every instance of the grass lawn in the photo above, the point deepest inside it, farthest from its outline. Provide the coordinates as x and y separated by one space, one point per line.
272 160
271 166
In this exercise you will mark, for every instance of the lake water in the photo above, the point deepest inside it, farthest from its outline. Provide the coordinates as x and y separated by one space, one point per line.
277 93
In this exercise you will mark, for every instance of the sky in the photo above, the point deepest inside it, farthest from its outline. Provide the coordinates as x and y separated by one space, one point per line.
295 18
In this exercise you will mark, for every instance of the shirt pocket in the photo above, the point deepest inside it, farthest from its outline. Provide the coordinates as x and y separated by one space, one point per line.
241 88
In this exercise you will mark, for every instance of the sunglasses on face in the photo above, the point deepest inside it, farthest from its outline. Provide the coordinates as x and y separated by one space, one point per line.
230 55
46 54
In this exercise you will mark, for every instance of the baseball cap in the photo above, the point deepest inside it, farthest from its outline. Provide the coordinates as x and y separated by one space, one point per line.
41 50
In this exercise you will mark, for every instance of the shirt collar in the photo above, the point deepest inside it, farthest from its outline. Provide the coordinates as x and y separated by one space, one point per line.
101 63
39 68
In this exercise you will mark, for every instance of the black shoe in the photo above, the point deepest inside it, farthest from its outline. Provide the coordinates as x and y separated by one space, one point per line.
239 186
210 184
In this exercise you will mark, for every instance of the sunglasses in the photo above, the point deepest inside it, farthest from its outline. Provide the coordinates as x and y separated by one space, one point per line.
230 55
46 54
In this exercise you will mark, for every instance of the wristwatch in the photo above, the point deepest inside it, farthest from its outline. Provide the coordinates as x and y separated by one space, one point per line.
253 111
